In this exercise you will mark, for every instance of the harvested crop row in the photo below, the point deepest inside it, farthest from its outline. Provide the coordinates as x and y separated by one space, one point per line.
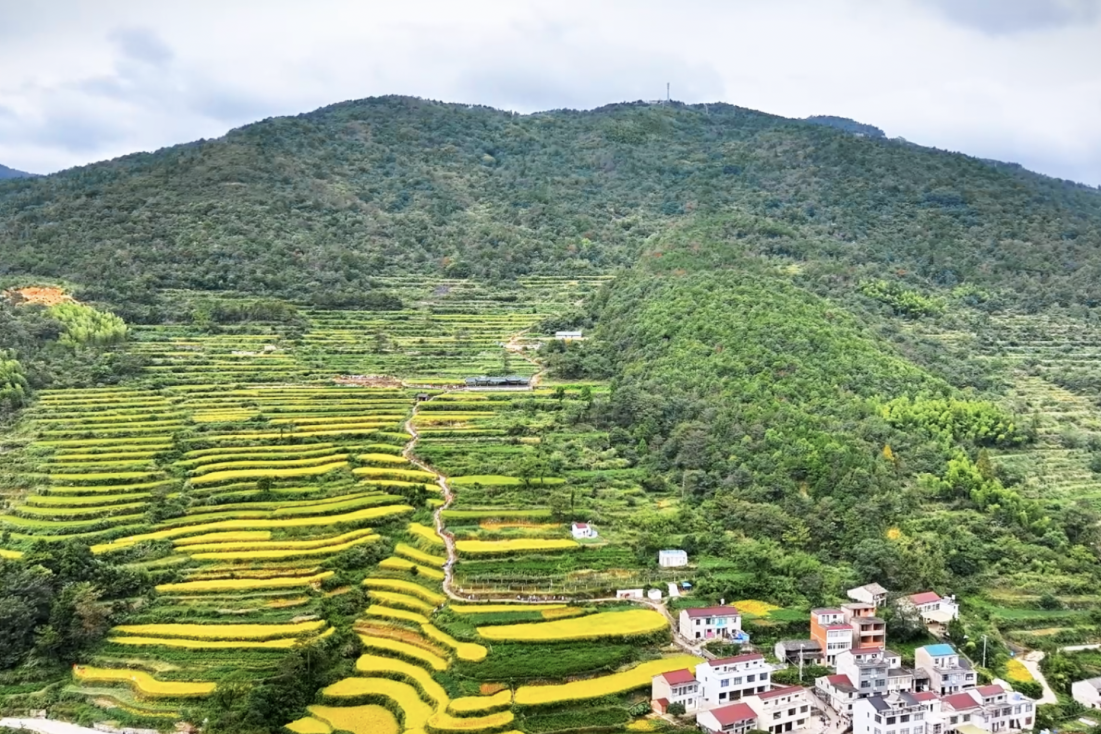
425 532
606 685
468 651
385 667
378 610
417 712
286 553
470 704
221 631
595 626
400 564
407 587
368 719
306 471
514 545
495 608
280 644
237 584
264 544
405 650
417 555
394 599
143 683
441 721
273 463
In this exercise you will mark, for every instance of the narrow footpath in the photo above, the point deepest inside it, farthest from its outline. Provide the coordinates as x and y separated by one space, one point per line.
1031 661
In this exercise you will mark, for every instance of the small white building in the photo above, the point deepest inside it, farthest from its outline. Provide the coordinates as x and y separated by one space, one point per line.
672 558
949 672
630 594
873 594
1087 692
934 609
781 709
736 718
676 686
731 679
710 623
654 594
567 335
582 530
897 713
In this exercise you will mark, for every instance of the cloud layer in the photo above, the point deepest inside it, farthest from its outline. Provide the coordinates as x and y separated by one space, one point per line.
1017 80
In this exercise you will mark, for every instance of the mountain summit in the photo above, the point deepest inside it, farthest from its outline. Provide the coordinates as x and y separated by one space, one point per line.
6 172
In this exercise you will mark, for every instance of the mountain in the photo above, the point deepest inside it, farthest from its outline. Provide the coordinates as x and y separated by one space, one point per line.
848 125
6 172
324 201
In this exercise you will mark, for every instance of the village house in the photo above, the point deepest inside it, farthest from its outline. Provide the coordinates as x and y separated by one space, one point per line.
829 629
838 692
567 335
873 594
868 669
582 530
989 709
710 623
949 672
868 629
898 713
736 718
798 651
1087 692
781 709
731 679
672 558
676 686
935 611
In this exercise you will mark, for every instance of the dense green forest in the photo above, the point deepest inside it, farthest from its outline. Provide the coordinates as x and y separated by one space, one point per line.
322 202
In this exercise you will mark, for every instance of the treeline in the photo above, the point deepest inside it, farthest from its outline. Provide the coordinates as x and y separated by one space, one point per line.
313 207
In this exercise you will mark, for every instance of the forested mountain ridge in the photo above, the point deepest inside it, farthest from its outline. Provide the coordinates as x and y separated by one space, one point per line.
6 172
327 199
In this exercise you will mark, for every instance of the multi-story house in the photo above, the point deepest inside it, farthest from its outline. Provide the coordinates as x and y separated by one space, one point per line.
873 594
838 692
990 708
897 713
676 686
731 679
710 623
736 718
868 629
832 633
949 672
936 611
781 709
868 669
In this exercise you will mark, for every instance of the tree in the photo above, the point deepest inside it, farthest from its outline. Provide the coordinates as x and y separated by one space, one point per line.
904 622
676 709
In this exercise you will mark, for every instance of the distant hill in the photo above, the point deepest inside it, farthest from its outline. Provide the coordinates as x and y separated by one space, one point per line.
6 172
325 201
849 126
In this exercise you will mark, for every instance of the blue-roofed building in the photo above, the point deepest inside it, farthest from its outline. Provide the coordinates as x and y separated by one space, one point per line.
949 672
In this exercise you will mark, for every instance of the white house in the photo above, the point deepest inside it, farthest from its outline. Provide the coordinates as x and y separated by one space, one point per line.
672 558
1087 692
567 335
949 672
731 679
913 713
710 623
630 594
838 692
873 594
935 609
676 686
654 594
582 530
989 708
868 669
781 709
736 718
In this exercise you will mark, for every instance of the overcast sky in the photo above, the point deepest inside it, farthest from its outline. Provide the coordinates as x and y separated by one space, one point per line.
1017 80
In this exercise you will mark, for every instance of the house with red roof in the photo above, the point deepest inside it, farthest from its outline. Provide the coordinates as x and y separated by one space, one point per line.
736 718
582 530
781 709
676 686
838 691
731 679
723 622
935 610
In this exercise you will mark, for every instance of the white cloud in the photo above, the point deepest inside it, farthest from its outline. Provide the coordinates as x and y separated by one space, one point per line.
1010 79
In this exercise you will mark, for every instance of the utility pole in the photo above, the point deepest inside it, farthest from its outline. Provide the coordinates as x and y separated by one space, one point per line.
667 97
984 651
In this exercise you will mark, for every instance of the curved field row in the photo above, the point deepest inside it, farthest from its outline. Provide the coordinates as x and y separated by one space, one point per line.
384 459
238 584
594 626
244 536
144 683
400 564
312 461
394 599
222 451
469 651
386 631
407 587
418 555
470 704
221 631
370 513
514 545
378 610
494 608
441 721
605 685
425 532
264 544
369 719
305 471
407 698
369 471
284 553
10 554
385 667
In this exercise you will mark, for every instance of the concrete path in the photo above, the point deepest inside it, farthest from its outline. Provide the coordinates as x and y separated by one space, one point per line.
47 726
1031 661
1079 648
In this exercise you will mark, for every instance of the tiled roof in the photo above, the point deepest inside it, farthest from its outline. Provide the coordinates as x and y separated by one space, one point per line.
985 691
736 659
677 677
838 627
923 696
826 610
727 715
776 692
840 680
960 701
925 597
723 611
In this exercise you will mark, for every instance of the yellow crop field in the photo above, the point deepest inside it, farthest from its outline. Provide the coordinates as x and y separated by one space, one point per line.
144 683
605 685
563 613
644 725
302 471
369 513
425 532
418 555
404 649
591 627
289 553
1017 672
368 719
309 725
276 544
377 610
465 650
494 608
752 606
394 599
470 704
369 664
10 554
407 587
400 564
282 582
404 695
441 721
377 471
286 642
514 545
383 458
244 536
222 631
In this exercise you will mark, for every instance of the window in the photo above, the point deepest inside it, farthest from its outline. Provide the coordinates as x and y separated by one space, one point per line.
904 718
697 623
890 720
724 683
904 730
967 717
919 716
803 709
865 684
750 678
737 680
764 677
776 716
919 729
878 719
